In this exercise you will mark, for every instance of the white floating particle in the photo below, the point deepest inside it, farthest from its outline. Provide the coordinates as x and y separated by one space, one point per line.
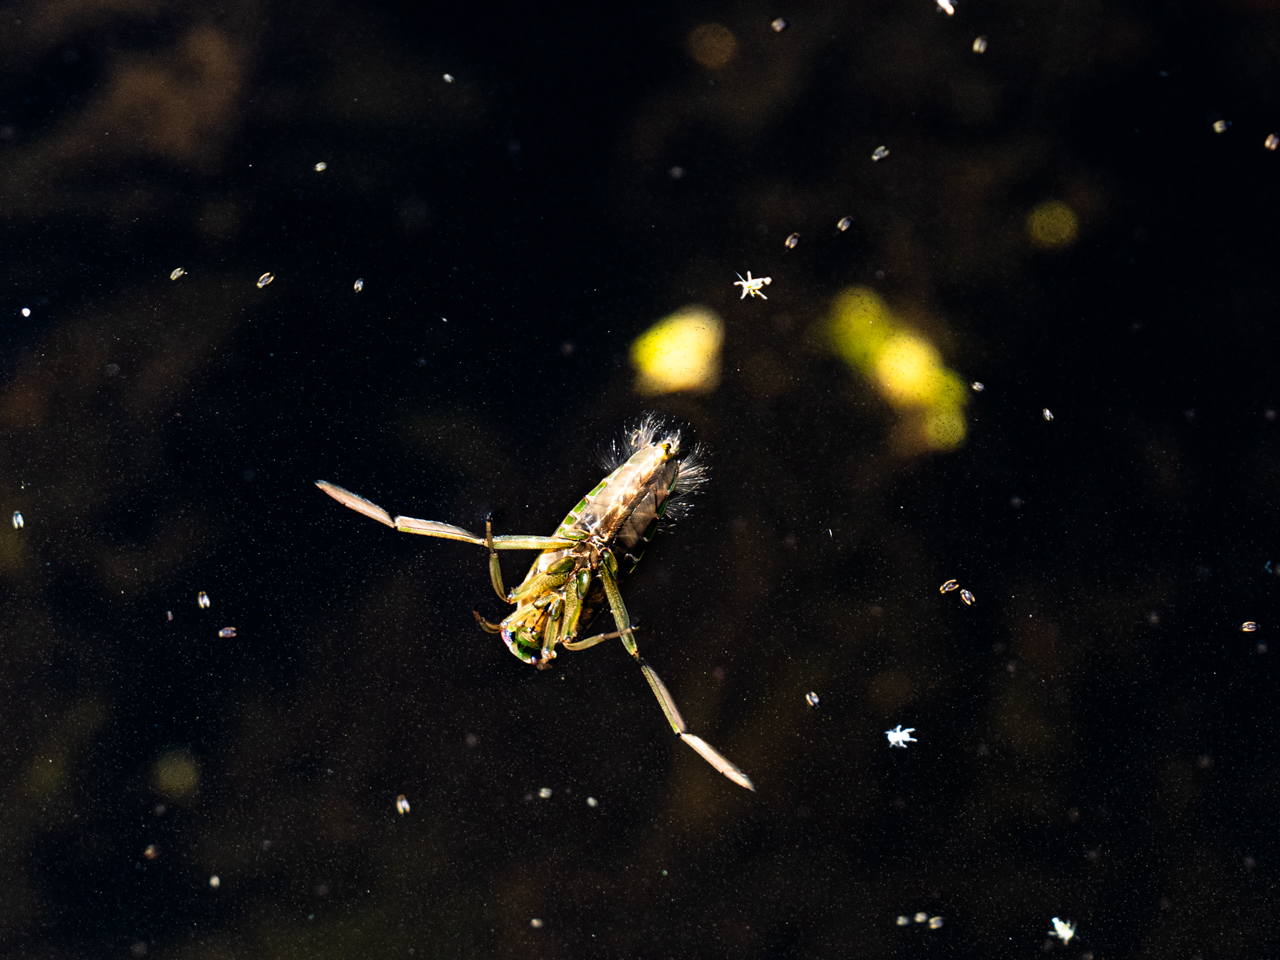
946 6
779 25
227 632
935 923
215 882
812 700
545 793
178 272
1248 626
202 598
1220 126
170 614
900 738
358 285
18 522
26 311
1271 142
321 167
844 224
592 802
967 597
1063 930
265 279
535 923
448 78
978 386
980 44
921 917
1047 413
402 805
903 921
879 153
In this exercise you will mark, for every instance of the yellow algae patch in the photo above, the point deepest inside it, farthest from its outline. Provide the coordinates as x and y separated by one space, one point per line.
713 45
176 774
902 364
679 352
1052 225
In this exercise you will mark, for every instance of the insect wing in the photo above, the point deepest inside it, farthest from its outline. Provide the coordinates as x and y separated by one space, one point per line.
356 503
713 757
433 528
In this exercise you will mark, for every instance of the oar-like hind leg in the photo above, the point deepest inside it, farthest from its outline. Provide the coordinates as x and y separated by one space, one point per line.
609 575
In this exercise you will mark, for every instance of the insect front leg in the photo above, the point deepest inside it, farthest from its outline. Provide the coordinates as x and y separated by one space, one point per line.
609 576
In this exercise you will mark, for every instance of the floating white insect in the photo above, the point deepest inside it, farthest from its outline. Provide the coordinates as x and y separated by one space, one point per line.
18 522
899 737
946 5
752 286
1062 930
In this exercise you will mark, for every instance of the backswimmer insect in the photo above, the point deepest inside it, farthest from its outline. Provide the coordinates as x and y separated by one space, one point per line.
577 568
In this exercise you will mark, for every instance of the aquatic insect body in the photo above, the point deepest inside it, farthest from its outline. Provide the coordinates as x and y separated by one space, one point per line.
577 569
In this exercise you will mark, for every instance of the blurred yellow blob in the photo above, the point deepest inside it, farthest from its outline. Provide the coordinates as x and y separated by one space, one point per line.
679 352
713 45
1052 225
903 366
175 774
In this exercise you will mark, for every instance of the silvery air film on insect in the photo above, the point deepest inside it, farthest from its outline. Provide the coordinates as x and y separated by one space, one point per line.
577 568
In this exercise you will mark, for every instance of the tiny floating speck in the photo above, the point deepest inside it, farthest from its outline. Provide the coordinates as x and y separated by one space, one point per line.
151 852
265 279
592 802
1063 930
545 793
1047 413
945 5
980 45
899 737
844 224
935 923
202 598
812 700
26 311
921 917
448 78
779 25
1271 142
978 386
18 522
903 921
358 286
227 632
170 614
402 805
879 153
949 586
792 240
321 167
215 882
178 272
535 923
967 597
1248 626
1220 126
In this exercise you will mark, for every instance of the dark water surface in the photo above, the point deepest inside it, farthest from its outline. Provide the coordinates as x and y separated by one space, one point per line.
1056 218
